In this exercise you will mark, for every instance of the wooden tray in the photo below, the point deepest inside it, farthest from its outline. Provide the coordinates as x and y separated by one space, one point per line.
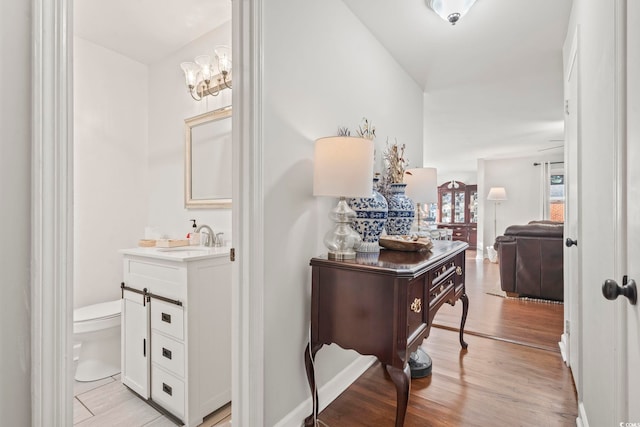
146 243
406 243
172 243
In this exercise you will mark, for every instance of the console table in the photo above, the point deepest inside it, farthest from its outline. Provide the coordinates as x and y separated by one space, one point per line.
383 305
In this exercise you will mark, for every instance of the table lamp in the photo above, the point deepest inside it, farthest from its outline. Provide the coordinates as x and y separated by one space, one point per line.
343 168
422 187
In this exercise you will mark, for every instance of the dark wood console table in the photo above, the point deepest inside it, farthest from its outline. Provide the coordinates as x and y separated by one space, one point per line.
384 307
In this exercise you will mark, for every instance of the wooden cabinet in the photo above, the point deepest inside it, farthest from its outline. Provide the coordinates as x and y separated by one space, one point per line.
383 307
176 331
458 211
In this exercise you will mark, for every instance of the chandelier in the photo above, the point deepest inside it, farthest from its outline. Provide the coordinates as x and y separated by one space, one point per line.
205 76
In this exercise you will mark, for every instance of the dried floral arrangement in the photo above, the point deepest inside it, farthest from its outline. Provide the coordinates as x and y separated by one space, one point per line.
396 163
366 130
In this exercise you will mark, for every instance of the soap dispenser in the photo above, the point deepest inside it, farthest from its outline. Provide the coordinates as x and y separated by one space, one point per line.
193 236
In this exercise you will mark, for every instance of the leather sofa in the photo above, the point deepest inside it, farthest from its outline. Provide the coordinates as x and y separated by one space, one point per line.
531 261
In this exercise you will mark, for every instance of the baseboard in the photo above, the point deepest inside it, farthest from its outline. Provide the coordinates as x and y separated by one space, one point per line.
564 347
582 421
328 392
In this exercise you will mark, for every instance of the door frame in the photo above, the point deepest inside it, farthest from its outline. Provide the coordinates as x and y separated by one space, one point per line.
52 215
570 342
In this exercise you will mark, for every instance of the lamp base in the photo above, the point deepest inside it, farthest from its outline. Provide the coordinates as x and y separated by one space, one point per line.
342 240
339 256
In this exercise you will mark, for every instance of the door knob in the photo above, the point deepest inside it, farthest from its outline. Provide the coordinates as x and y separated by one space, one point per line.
611 289
570 242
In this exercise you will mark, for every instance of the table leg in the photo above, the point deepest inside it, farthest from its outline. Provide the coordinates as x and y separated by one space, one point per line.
311 378
465 308
402 380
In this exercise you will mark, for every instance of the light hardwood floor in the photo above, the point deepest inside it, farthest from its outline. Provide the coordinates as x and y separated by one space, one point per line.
108 403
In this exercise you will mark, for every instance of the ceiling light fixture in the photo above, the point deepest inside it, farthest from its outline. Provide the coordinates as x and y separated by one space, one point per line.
450 10
199 75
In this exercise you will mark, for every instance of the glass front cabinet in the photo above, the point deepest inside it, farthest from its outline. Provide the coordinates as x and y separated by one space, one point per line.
458 211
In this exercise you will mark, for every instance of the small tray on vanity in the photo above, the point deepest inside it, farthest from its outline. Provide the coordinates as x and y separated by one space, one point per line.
171 243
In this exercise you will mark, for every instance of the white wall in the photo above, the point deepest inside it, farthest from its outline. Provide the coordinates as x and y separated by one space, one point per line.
110 167
322 69
522 182
169 105
15 193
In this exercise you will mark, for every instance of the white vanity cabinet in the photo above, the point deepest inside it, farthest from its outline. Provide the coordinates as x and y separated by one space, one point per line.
176 329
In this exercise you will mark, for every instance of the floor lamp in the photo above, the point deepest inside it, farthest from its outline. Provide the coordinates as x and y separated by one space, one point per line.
496 195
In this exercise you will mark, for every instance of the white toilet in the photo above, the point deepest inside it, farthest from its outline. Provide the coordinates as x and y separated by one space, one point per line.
97 329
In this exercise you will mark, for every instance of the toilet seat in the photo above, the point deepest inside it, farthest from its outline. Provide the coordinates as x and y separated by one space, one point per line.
96 317
103 310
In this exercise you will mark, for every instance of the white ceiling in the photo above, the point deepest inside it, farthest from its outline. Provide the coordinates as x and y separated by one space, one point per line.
147 30
493 82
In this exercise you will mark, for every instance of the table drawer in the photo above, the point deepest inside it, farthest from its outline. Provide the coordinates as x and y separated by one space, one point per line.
167 318
167 391
437 291
168 353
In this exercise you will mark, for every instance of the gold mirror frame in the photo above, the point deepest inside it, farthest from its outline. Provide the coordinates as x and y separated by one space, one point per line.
190 124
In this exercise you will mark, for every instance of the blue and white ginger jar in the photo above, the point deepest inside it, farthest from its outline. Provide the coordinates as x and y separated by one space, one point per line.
401 211
371 215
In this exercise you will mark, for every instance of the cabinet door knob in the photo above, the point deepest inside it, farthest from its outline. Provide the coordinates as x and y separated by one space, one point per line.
459 271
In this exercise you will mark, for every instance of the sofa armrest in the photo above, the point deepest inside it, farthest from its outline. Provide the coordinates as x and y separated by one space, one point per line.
506 247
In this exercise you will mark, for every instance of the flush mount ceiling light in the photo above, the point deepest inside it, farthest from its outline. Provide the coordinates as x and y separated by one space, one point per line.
199 75
450 10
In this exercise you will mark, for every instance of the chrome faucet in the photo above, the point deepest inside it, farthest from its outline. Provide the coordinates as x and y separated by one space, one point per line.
211 236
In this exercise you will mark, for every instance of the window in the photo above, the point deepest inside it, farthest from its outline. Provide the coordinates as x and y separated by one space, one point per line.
556 197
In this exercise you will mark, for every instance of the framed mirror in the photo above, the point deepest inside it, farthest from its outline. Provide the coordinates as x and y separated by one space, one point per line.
208 160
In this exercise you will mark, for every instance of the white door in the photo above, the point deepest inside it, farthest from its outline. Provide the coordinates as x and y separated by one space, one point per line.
632 312
136 347
608 385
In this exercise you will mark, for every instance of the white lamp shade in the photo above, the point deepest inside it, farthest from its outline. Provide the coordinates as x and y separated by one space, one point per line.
343 167
497 193
422 184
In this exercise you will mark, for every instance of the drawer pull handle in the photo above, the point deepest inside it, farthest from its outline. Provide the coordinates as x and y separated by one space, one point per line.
166 317
416 305
459 271
167 389
444 268
166 353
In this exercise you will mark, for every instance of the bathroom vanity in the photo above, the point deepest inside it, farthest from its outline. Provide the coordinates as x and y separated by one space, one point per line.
176 329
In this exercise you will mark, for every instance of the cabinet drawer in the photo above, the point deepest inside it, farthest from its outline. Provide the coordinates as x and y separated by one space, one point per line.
168 353
438 293
167 318
167 391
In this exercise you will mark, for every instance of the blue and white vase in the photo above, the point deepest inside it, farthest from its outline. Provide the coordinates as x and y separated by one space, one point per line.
401 211
371 215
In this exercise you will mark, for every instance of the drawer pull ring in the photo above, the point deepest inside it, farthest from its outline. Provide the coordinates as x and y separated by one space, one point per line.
459 271
166 353
167 389
166 317
416 305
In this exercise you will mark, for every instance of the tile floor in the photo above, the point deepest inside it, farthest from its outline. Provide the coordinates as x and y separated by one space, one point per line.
108 403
